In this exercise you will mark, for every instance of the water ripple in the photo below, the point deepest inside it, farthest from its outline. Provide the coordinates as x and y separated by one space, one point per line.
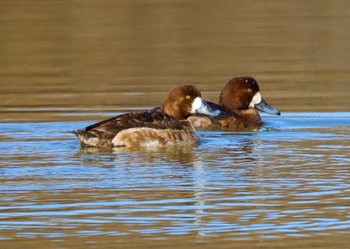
292 181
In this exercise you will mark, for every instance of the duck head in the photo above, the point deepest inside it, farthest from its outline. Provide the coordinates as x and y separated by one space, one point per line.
185 100
242 93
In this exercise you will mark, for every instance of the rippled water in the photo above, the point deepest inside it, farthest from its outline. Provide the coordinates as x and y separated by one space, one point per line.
289 180
65 64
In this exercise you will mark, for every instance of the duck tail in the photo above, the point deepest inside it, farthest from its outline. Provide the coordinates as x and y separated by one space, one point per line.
86 138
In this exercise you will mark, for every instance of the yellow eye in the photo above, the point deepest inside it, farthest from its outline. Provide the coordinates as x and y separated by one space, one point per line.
250 90
188 96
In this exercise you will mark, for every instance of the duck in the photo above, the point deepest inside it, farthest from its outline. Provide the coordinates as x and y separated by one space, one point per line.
239 100
167 126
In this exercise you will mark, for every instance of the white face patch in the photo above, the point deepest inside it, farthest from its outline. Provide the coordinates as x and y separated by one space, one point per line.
197 103
255 100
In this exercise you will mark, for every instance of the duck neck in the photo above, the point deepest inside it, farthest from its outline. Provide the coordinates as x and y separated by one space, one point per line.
251 116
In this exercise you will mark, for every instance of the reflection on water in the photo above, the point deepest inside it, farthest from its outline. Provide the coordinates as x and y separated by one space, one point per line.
129 54
284 181
66 64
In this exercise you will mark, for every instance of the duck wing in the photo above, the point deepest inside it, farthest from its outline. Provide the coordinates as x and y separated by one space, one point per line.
148 119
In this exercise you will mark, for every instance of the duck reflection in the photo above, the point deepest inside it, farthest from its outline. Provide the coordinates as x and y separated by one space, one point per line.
180 184
215 148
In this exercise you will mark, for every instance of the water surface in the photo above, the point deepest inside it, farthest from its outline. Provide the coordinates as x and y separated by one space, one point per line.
289 180
67 64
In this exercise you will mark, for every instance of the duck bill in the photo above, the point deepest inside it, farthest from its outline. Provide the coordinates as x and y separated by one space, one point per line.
202 106
265 107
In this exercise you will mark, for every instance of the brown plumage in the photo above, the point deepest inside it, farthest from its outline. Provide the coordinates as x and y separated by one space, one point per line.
163 127
239 99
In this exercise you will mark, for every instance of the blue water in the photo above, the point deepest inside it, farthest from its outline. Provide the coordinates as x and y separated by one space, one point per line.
289 179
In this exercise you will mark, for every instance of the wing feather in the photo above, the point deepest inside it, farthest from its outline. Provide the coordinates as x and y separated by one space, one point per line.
149 119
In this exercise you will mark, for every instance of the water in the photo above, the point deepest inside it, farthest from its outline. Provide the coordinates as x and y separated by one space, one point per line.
289 181
67 64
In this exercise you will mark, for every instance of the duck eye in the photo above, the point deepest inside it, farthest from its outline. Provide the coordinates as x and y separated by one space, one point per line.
188 96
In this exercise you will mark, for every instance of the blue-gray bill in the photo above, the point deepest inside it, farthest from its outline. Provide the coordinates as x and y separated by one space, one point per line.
209 110
265 107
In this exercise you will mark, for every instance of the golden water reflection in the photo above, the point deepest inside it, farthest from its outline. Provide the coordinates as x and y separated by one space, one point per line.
129 54
285 186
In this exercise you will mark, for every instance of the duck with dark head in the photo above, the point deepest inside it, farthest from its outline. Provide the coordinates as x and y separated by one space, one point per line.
239 99
167 127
